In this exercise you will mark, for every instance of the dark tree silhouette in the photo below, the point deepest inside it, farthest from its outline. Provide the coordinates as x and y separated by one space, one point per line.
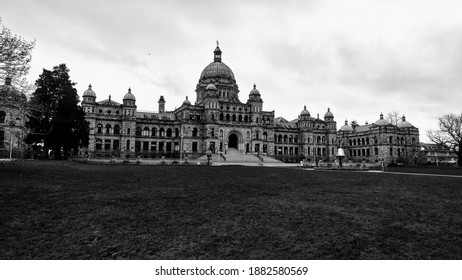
449 134
56 119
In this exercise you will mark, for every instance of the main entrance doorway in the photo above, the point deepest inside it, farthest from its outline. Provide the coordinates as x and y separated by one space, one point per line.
233 141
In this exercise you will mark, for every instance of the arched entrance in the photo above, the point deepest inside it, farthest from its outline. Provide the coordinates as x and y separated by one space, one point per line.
233 141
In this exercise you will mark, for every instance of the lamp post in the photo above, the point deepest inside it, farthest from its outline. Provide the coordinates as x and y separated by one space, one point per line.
209 155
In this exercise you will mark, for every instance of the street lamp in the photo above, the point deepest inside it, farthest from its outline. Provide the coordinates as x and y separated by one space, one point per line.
209 155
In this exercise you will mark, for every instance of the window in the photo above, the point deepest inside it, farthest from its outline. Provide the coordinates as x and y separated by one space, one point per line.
108 128
153 146
116 129
194 147
285 138
161 132
177 132
239 118
99 144
128 131
2 138
194 133
116 145
265 137
127 147
169 132
227 117
169 147
257 135
212 133
145 146
138 131
234 118
154 132
221 117
99 128
146 131
2 116
246 118
107 144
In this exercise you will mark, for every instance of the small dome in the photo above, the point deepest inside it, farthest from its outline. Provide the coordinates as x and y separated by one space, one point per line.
211 87
305 112
187 102
404 123
254 91
346 127
382 121
129 95
328 114
89 92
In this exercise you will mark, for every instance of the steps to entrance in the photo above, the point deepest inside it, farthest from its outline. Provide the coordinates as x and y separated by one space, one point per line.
234 156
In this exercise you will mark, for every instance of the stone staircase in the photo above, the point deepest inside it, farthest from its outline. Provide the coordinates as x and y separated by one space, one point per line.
234 156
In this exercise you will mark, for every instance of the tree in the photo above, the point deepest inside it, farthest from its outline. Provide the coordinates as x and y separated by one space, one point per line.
56 119
15 56
393 117
449 134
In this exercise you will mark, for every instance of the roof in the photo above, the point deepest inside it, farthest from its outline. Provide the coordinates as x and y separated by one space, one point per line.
108 102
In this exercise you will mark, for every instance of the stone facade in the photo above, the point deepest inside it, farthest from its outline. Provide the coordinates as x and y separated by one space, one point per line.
219 121
380 141
12 122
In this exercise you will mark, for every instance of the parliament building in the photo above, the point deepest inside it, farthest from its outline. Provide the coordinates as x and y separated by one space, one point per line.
220 123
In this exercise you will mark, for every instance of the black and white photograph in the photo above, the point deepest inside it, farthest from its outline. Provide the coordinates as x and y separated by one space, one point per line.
231 139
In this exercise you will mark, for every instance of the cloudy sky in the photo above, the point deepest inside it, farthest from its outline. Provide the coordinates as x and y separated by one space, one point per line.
359 58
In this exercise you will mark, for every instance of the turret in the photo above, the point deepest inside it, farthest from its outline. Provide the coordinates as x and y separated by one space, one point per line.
161 104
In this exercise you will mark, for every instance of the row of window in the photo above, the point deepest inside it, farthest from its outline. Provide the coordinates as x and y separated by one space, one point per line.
367 152
365 141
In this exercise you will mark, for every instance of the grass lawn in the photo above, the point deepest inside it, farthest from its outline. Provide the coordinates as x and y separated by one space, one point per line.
68 210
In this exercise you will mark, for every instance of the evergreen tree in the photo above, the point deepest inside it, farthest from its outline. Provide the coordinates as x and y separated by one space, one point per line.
56 119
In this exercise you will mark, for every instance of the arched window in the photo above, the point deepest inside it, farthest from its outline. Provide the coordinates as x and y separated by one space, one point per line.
280 138
221 117
285 138
108 128
246 119
169 132
265 136
239 118
138 131
363 141
116 129
99 128
296 139
367 141
2 116
227 117
154 131
402 140
161 132
350 142
194 133
291 139
318 139
323 140
354 142
257 135
234 118
177 132
221 133
146 131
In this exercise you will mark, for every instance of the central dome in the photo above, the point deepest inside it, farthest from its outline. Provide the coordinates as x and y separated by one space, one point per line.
217 69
